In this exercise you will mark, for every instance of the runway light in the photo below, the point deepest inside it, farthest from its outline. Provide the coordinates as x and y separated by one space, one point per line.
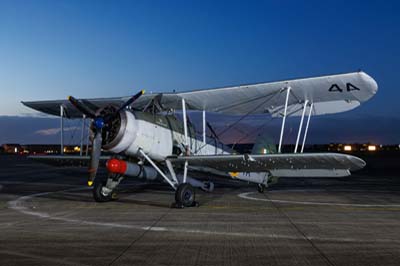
371 148
347 148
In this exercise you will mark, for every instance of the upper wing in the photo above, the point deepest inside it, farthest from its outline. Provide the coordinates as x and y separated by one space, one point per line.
329 94
52 107
281 165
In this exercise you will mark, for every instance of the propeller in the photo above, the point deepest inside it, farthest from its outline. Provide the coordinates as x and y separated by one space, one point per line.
100 123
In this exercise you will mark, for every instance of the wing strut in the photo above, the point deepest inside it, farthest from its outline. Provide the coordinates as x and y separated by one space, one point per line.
204 127
88 138
62 129
187 142
284 119
300 126
82 134
308 123
185 129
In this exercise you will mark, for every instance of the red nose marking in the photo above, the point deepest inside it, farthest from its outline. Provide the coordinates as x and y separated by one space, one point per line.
116 166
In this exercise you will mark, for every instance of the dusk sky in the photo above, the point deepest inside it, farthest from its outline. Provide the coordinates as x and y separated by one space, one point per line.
52 49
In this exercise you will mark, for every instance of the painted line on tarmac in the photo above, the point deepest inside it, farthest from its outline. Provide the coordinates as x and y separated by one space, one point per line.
35 171
39 257
246 196
34 183
330 190
18 205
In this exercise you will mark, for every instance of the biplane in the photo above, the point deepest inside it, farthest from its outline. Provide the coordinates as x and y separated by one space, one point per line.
147 140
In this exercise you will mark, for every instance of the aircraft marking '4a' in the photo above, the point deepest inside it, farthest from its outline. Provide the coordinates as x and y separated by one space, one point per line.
349 87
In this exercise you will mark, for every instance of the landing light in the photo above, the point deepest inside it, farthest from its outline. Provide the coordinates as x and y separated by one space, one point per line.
264 151
347 148
371 148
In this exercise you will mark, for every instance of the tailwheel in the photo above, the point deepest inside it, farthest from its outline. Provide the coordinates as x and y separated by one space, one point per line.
261 188
100 192
185 196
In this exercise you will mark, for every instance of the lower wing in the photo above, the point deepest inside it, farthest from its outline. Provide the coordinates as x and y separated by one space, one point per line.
280 165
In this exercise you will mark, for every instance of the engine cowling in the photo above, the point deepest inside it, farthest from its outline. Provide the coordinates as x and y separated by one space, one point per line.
132 131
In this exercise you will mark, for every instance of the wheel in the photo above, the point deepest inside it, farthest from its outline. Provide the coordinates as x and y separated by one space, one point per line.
98 195
185 195
261 188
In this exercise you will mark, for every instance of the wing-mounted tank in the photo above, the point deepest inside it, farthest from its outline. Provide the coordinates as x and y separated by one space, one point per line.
133 130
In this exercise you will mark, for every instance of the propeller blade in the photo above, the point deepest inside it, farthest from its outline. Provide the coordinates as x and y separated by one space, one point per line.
99 123
131 100
95 157
82 107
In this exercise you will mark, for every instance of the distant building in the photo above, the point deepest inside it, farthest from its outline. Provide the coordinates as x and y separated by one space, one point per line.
50 149
12 148
41 149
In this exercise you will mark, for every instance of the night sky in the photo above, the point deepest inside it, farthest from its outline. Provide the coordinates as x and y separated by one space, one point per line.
52 49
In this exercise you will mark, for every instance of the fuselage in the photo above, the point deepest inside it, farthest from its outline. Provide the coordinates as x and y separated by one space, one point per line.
160 136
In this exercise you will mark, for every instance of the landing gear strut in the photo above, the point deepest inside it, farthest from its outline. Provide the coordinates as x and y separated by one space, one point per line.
98 193
104 188
261 188
185 196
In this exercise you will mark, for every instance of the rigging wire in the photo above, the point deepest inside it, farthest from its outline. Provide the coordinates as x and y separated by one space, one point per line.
258 129
247 114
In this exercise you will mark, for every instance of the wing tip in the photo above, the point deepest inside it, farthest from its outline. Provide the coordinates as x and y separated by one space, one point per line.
370 81
358 163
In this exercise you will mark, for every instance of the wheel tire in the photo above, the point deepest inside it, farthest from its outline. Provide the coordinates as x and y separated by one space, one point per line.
261 188
185 195
99 183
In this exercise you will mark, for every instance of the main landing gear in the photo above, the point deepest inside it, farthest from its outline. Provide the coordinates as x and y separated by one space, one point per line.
261 188
185 196
98 195
104 188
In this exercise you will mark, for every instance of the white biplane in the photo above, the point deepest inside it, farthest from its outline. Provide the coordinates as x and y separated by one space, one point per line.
148 141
